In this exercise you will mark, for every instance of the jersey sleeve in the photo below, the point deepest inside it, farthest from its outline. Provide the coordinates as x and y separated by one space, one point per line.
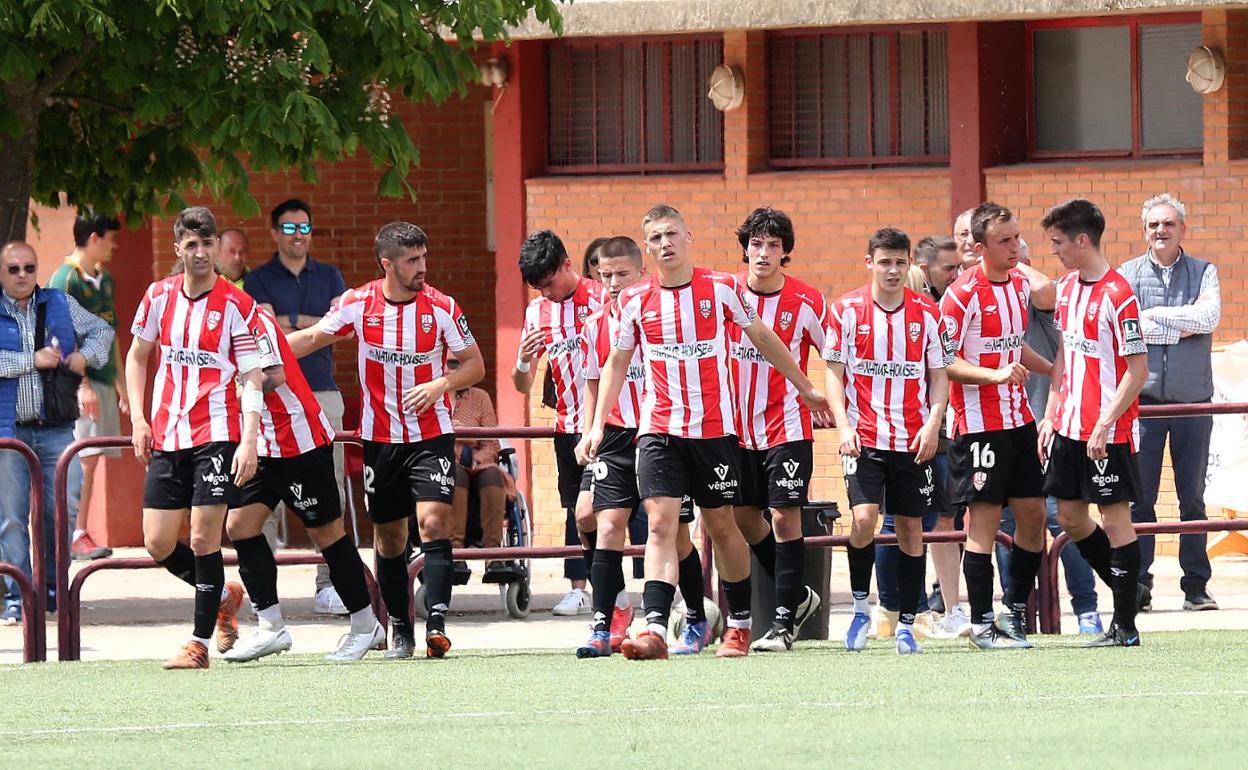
629 317
955 317
249 341
736 309
342 316
589 347
833 335
816 323
1124 318
455 328
146 324
937 347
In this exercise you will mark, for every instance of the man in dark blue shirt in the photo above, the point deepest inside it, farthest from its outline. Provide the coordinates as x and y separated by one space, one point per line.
298 290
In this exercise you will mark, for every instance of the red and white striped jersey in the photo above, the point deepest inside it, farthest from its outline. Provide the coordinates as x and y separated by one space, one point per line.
1100 326
401 345
292 422
204 343
887 357
600 329
682 333
985 323
769 410
561 324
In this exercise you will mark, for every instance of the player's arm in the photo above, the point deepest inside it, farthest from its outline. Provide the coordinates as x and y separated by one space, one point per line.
966 373
1036 363
925 444
779 356
1045 429
274 377
835 383
244 464
136 389
609 386
1043 289
1125 394
310 340
471 371
532 343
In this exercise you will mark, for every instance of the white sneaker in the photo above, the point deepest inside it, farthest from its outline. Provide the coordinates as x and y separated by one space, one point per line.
356 646
806 610
574 602
328 603
955 624
261 643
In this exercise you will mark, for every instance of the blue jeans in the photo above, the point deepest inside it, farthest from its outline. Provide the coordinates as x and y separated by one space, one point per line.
47 442
886 555
1189 456
1079 578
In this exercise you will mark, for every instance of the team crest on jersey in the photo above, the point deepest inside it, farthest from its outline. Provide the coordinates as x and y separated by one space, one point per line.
704 307
914 330
426 322
214 319
786 320
979 479
1092 311
581 312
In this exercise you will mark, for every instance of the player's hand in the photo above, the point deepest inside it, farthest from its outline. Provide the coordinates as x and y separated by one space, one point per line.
421 397
1097 449
244 464
1012 374
76 363
851 446
823 419
88 402
141 440
924 445
587 447
532 343
47 358
1044 440
817 403
123 401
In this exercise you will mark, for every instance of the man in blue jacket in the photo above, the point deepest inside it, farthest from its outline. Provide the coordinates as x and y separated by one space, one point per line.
45 335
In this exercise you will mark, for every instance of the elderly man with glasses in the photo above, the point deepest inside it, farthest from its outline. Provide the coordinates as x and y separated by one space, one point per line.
47 341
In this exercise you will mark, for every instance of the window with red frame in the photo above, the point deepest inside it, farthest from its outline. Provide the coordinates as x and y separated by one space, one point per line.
859 98
1114 87
633 106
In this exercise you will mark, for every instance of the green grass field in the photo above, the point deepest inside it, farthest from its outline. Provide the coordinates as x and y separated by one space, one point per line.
1177 701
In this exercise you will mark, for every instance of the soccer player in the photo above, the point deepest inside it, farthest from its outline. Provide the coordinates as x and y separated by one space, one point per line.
405 328
296 467
887 383
201 442
775 428
1090 433
552 325
990 459
679 318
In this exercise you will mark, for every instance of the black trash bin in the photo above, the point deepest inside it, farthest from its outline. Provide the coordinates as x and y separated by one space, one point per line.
817 519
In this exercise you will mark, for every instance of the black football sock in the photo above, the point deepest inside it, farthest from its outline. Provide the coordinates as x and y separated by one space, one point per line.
738 596
1024 566
909 585
258 570
790 587
1125 565
181 563
587 550
396 590
861 563
209 580
606 575
765 551
977 567
693 587
1096 552
656 599
346 572
439 575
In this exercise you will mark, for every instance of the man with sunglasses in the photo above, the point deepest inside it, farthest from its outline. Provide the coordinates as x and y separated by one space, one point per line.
44 335
298 290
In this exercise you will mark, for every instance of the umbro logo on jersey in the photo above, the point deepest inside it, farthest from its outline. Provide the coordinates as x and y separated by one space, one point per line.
791 467
914 330
990 310
426 322
649 315
214 319
786 320
864 329
372 320
721 471
704 307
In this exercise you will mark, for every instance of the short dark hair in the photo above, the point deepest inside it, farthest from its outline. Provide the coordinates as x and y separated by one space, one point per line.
1077 216
541 255
889 239
287 206
590 260
196 219
396 237
770 222
90 222
621 246
928 249
985 214
661 211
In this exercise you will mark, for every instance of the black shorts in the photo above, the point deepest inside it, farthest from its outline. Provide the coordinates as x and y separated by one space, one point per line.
995 465
706 469
188 477
1071 475
777 477
912 489
573 478
397 476
615 472
306 483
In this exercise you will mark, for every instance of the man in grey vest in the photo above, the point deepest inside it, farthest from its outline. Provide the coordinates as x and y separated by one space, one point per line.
1180 306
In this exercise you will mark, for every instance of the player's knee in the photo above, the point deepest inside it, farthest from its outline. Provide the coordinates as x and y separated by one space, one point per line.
203 543
327 534
158 545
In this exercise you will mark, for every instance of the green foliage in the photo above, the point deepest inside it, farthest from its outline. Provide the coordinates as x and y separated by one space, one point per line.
134 100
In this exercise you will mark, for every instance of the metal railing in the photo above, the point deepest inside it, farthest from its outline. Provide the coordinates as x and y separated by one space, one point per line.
34 589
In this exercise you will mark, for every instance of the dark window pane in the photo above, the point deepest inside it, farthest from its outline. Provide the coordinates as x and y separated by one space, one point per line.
1171 112
1083 89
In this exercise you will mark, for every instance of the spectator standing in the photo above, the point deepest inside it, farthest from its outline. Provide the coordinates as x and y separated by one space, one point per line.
101 396
298 290
46 337
1180 306
233 256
